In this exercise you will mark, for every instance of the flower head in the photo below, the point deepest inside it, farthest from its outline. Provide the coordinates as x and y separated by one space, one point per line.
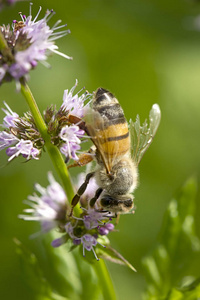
27 42
49 207
67 134
25 148
21 134
71 136
10 118
74 104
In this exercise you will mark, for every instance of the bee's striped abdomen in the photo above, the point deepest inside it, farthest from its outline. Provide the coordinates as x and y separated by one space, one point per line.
113 134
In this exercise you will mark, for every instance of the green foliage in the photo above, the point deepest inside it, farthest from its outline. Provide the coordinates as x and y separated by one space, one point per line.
168 269
75 277
33 276
111 254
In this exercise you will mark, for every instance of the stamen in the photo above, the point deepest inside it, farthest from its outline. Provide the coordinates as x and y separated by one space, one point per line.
59 27
57 23
95 254
45 64
30 9
50 15
60 33
8 108
37 14
73 88
62 54
20 13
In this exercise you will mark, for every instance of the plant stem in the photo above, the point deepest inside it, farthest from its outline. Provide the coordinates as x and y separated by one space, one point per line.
105 280
53 151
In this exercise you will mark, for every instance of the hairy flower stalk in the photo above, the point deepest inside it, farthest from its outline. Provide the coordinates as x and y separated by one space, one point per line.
27 42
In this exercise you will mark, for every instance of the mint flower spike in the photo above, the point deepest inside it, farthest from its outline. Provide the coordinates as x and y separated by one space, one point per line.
19 140
10 118
49 207
74 104
26 43
71 136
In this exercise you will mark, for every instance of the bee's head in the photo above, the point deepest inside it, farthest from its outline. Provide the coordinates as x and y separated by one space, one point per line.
117 204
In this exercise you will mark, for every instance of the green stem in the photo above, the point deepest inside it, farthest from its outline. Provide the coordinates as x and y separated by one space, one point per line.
53 151
105 280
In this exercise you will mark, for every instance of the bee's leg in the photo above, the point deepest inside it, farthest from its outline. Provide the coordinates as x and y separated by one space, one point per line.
83 159
81 190
96 196
117 216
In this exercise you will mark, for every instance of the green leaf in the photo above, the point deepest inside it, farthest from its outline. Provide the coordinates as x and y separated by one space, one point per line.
33 275
111 254
177 249
75 277
188 292
142 135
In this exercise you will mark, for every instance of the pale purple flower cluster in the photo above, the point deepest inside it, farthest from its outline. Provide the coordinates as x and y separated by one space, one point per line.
49 207
71 134
31 40
88 240
52 210
8 139
75 103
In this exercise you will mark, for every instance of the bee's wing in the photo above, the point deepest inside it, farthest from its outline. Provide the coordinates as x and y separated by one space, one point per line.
96 129
142 136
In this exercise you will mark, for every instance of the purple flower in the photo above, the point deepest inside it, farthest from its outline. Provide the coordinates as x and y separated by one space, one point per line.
59 241
70 229
106 228
103 230
89 242
7 139
49 207
24 147
30 41
10 118
20 146
71 136
92 219
74 103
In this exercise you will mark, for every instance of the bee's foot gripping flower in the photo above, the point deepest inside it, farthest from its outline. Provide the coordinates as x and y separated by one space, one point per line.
25 44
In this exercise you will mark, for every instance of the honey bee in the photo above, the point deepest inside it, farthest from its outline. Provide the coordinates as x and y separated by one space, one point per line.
118 150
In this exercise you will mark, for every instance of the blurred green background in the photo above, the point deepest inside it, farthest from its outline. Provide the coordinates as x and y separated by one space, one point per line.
144 52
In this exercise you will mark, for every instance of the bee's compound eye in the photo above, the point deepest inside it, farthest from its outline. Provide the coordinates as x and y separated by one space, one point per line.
106 201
